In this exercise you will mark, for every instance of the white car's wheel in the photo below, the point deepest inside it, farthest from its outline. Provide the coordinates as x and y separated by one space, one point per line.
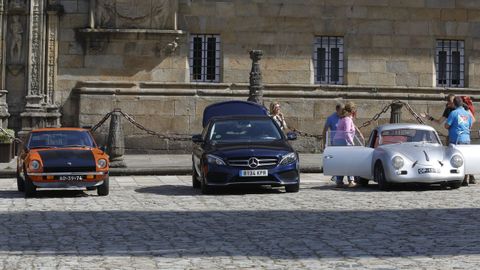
380 177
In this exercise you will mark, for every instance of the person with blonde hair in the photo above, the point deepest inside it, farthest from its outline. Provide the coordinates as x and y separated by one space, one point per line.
277 115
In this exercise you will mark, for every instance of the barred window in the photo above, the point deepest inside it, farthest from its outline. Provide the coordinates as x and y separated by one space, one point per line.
204 58
328 60
450 63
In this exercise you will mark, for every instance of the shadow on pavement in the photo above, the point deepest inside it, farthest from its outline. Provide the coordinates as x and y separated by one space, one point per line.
182 190
44 194
374 188
276 234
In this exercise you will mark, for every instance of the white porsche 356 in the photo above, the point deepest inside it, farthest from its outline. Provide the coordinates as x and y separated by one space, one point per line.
403 153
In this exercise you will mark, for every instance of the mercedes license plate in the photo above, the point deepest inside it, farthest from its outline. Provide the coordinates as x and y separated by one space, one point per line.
70 178
428 170
253 173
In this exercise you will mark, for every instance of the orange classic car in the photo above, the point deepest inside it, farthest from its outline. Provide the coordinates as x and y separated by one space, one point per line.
62 158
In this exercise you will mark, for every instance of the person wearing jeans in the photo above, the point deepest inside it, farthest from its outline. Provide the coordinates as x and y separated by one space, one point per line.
459 123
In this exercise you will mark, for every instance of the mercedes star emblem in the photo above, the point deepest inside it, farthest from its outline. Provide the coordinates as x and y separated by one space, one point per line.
253 162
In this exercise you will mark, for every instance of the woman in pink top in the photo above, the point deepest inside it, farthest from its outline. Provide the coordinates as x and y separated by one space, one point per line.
344 135
345 128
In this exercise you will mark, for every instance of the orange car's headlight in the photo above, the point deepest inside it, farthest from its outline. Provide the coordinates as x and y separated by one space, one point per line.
35 165
102 163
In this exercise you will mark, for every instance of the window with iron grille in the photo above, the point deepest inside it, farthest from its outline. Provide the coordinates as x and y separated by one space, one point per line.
450 63
204 58
328 60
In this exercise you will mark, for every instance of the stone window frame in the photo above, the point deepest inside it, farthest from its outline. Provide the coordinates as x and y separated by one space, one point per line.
205 71
327 74
447 53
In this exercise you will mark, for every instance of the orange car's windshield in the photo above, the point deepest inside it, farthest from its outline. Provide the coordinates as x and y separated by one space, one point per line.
60 138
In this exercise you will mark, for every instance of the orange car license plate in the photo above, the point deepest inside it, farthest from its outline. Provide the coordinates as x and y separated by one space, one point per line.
70 178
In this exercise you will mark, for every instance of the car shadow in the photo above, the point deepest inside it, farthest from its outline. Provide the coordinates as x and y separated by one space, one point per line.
181 190
10 194
375 188
47 194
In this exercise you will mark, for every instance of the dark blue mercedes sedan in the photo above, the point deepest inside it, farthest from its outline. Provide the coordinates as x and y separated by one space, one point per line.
241 145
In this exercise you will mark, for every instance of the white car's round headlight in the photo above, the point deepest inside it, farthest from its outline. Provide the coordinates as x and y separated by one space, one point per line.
456 161
397 162
35 165
102 163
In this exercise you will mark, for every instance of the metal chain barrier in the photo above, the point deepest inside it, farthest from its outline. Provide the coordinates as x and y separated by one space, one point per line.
305 134
17 140
176 137
172 136
99 124
386 108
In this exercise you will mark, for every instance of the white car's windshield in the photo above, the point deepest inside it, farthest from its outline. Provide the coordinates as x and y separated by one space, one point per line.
408 135
244 130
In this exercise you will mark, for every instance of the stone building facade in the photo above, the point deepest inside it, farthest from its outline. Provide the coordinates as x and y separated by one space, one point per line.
69 62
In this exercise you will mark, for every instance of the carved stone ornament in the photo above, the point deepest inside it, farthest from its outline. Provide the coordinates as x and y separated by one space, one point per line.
131 14
16 6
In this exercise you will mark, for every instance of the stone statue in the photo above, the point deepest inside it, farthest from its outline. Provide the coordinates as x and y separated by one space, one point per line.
16 31
160 13
104 12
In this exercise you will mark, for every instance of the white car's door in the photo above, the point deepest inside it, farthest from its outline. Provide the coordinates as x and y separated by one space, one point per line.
348 160
471 156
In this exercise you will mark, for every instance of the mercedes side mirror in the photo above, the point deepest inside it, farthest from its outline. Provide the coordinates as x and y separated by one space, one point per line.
291 136
197 138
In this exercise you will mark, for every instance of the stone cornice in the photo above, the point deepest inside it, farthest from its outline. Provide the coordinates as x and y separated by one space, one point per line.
152 32
271 90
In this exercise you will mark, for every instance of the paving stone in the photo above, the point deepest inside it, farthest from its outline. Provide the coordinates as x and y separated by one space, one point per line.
160 222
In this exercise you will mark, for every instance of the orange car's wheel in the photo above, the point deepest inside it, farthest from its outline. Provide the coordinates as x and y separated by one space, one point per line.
104 188
20 183
30 188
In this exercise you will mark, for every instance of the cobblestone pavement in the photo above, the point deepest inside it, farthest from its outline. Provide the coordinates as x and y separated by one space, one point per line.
162 223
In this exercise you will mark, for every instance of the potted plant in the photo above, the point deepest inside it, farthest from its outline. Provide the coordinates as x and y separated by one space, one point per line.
6 145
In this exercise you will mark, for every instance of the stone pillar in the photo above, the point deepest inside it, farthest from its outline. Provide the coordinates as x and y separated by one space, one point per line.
3 92
396 113
40 109
116 141
256 85
54 10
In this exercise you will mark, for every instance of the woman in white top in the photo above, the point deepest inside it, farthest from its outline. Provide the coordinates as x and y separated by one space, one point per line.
277 115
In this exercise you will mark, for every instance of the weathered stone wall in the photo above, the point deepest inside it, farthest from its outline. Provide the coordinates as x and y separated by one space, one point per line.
178 108
389 44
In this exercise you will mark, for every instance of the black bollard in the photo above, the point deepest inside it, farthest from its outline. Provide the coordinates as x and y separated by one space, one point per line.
256 85
116 141
396 113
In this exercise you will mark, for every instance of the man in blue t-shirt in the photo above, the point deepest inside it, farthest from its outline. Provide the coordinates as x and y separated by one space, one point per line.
459 123
331 125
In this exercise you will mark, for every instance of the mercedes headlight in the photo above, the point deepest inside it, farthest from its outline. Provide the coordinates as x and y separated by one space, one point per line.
102 163
398 162
456 161
215 160
288 159
35 165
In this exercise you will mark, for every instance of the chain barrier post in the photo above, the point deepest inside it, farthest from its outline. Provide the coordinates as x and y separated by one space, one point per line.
396 113
116 140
